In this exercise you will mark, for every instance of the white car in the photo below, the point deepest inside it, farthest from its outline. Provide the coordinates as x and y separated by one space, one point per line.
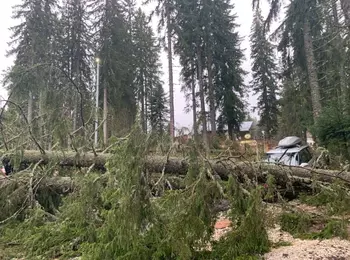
290 151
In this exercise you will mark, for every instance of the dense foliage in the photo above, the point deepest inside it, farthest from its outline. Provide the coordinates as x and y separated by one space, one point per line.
52 83
58 48
313 42
57 55
117 215
264 76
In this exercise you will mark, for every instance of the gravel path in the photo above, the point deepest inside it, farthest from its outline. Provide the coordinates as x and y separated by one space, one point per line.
330 249
295 249
335 249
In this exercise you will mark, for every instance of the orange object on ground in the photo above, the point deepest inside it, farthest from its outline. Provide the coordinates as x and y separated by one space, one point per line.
222 224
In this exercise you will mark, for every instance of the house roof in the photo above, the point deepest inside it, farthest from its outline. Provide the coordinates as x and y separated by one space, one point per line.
245 126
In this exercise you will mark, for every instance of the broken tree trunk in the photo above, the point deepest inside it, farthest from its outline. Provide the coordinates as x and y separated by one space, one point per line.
177 166
290 181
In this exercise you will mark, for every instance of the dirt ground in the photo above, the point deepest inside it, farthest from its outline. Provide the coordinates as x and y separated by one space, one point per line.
298 249
291 248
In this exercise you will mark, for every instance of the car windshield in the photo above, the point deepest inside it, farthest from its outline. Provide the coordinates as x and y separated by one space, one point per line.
276 157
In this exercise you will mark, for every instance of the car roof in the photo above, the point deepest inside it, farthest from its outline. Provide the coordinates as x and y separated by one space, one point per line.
294 149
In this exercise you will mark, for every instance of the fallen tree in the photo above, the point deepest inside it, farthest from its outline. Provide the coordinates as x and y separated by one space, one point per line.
289 180
179 166
34 186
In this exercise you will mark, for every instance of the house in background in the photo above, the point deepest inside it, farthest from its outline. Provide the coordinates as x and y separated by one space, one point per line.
246 131
246 135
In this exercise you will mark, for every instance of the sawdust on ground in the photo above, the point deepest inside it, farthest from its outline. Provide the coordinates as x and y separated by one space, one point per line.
298 249
291 248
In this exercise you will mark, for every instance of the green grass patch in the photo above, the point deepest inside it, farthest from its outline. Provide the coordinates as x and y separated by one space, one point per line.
334 198
281 244
303 226
295 223
334 228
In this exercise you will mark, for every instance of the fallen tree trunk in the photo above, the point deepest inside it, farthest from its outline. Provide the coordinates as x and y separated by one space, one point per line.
177 166
62 158
290 180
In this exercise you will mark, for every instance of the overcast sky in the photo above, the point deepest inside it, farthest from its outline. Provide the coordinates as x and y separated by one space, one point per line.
243 10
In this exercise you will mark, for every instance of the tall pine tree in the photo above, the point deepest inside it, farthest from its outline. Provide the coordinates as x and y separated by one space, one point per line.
32 44
74 57
113 44
158 110
166 11
229 74
147 68
264 72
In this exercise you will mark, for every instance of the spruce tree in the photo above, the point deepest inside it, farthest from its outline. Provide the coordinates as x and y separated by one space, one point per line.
158 110
208 46
147 67
301 25
116 71
295 107
264 74
166 11
74 57
229 74
33 43
211 13
190 46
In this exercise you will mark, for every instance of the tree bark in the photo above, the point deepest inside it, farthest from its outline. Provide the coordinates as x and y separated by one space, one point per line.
211 96
170 71
202 99
312 71
75 114
105 113
41 119
143 114
194 104
30 107
146 106
339 48
177 166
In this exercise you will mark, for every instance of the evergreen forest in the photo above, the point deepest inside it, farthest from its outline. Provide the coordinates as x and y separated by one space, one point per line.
95 167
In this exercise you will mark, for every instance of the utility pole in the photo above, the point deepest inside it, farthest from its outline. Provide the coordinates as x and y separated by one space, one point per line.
97 95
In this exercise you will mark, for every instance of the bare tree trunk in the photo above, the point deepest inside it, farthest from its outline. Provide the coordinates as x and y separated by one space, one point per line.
146 107
194 104
30 111
341 63
105 114
202 99
170 67
75 113
211 96
41 119
30 107
142 103
312 71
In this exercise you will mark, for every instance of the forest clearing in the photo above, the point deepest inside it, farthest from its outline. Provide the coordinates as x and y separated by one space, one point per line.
94 166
